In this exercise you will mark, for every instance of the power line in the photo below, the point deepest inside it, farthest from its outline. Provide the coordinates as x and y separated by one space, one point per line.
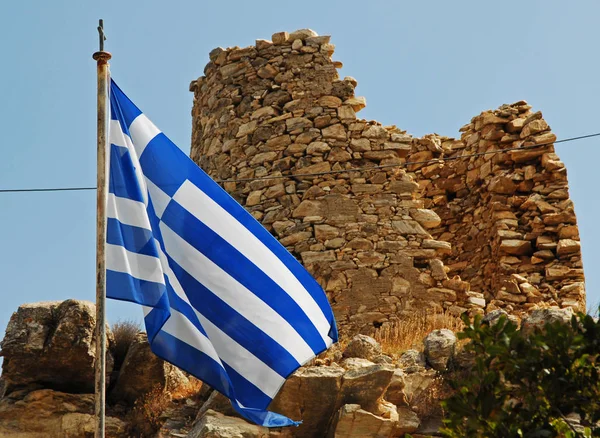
62 189
332 172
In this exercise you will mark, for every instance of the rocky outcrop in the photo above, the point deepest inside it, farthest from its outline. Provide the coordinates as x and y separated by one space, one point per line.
310 394
142 371
52 344
46 413
355 398
439 348
540 317
216 425
363 347
387 223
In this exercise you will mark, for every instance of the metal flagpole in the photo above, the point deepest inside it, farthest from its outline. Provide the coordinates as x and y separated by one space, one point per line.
101 58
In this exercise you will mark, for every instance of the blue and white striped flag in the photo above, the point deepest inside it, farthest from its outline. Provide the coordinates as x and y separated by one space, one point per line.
222 298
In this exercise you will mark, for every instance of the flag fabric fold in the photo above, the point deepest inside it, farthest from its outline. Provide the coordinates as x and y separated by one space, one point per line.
222 298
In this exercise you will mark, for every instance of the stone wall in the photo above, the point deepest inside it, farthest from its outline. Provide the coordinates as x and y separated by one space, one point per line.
490 231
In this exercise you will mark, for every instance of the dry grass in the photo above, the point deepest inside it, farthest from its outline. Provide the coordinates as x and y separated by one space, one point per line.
409 331
144 419
124 332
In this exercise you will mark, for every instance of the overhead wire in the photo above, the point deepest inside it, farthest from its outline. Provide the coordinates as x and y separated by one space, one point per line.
339 171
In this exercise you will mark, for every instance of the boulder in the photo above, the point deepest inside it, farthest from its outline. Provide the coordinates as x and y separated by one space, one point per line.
216 425
363 347
493 317
311 395
439 348
142 371
395 391
412 361
540 317
417 384
351 421
52 344
47 413
355 363
366 386
408 421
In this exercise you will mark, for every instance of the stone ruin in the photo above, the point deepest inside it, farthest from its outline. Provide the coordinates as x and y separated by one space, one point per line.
386 222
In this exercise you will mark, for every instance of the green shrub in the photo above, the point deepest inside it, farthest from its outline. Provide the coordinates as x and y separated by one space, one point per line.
527 385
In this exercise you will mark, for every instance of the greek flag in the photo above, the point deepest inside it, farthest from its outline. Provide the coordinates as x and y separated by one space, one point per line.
222 298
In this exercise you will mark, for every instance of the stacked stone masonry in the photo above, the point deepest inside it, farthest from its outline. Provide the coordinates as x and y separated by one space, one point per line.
385 237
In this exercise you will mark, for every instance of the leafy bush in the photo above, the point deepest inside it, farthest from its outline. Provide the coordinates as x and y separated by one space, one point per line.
544 384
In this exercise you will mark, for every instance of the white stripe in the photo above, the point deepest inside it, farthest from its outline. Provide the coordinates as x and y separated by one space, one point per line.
241 360
221 222
127 211
181 328
160 200
235 294
140 266
142 131
116 135
234 354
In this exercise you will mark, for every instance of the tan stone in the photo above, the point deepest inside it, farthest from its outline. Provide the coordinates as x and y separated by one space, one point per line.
246 128
143 371
503 185
357 103
352 421
296 399
317 256
515 247
216 425
427 218
336 132
409 227
330 101
46 413
416 161
567 246
534 127
52 343
375 131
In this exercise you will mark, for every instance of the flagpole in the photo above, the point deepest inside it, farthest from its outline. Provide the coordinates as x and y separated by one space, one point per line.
101 57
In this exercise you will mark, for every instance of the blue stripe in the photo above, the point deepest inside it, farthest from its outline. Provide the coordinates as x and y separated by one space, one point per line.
124 287
123 180
121 108
156 318
166 165
228 258
234 324
132 238
183 307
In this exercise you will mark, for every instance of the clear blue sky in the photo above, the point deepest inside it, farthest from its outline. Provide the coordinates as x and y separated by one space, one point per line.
426 66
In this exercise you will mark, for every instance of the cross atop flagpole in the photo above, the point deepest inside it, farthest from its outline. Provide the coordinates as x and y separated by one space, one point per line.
101 57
